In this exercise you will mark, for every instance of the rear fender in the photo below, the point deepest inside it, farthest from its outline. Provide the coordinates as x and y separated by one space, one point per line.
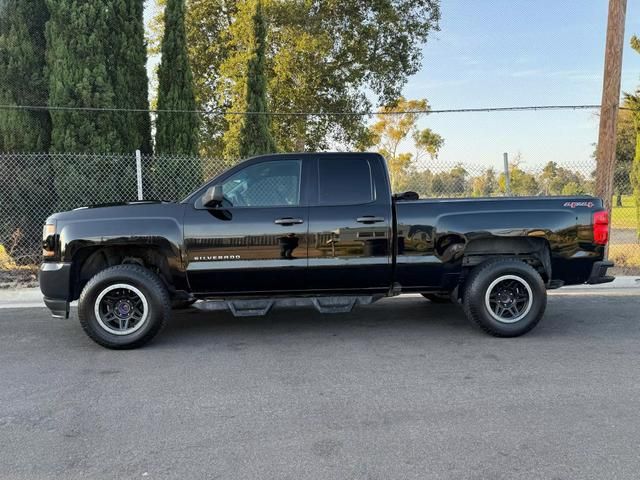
534 251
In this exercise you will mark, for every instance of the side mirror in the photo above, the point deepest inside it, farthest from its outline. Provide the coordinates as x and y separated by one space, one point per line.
213 197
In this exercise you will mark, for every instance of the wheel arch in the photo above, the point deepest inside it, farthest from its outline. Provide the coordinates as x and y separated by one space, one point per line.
534 251
90 260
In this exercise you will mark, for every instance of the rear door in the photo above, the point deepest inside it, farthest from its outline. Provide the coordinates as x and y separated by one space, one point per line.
350 224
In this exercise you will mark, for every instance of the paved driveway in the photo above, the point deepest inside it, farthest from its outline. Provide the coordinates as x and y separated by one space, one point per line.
400 389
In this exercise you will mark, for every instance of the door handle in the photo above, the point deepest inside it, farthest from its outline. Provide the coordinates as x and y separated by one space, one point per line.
288 221
369 219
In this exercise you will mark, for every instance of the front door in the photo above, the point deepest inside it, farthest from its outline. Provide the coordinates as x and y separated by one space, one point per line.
256 241
350 225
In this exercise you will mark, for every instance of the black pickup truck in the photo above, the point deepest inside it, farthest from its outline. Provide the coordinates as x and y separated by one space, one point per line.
321 229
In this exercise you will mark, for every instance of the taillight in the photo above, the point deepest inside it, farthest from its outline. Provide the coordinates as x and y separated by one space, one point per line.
601 227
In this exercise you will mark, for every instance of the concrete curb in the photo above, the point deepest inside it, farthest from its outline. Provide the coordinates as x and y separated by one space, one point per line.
21 298
32 298
619 282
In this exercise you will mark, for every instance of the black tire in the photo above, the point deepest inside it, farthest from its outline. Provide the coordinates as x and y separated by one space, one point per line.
510 281
438 297
133 280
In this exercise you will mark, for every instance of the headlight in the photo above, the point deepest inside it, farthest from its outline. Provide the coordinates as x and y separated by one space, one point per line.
49 240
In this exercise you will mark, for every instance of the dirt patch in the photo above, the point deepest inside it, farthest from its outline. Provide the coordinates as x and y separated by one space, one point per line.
21 277
624 271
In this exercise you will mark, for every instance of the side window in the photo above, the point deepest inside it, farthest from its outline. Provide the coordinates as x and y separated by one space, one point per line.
346 181
267 184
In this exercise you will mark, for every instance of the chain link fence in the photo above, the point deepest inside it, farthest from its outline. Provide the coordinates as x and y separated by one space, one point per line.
34 185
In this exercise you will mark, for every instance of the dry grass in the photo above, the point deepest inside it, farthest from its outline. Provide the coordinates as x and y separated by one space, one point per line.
13 275
625 255
6 262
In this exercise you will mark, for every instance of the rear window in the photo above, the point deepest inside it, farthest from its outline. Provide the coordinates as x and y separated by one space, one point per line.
345 181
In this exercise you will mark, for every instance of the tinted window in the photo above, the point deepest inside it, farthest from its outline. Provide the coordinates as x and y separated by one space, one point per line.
345 181
267 184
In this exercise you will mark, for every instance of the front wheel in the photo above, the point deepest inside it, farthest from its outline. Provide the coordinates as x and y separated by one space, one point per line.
506 298
124 306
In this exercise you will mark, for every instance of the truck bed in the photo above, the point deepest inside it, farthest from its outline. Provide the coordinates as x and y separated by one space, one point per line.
432 233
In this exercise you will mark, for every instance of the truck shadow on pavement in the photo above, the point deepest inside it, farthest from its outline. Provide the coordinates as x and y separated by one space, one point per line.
405 319
390 323
302 321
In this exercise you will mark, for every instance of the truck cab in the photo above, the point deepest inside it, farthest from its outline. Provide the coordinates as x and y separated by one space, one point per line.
293 224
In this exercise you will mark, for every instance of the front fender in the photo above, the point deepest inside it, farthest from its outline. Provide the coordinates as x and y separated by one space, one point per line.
162 233
77 238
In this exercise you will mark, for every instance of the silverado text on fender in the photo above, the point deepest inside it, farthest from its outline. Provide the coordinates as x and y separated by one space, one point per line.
322 229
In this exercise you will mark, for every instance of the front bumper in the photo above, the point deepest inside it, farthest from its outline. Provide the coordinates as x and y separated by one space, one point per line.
55 286
599 273
59 308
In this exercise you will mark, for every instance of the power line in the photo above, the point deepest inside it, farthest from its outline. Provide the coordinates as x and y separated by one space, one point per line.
367 113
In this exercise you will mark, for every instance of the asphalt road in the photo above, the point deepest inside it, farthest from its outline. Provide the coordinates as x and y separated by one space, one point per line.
400 389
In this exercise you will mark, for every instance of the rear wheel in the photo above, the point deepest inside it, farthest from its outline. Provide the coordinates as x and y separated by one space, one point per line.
124 306
505 297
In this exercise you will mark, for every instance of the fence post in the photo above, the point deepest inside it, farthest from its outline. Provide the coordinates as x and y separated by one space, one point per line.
139 174
507 179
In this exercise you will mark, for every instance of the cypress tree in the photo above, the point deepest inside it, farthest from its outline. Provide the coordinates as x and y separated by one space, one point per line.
78 54
97 59
255 137
22 76
25 181
176 132
127 62
82 61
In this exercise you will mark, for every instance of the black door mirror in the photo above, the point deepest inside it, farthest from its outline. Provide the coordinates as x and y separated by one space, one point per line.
213 197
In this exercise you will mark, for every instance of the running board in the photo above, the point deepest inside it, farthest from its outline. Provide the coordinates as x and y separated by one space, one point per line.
261 306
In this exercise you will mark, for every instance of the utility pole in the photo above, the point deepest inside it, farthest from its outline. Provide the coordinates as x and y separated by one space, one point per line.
610 101
507 179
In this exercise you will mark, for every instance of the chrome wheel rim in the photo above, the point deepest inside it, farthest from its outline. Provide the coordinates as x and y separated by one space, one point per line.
121 309
508 299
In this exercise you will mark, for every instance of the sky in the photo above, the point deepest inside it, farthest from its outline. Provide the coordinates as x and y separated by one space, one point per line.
494 53
499 53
